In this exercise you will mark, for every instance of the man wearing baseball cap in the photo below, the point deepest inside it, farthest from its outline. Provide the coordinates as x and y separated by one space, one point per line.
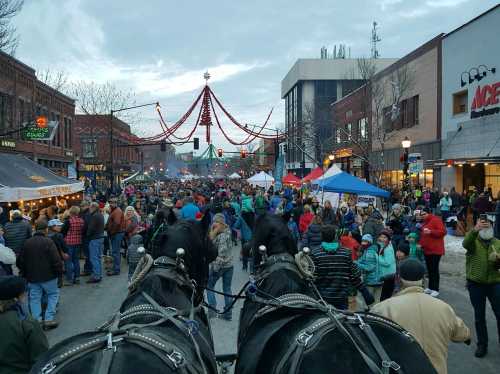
431 321
23 340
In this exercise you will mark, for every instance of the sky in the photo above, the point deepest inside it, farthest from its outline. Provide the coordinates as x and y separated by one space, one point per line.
160 49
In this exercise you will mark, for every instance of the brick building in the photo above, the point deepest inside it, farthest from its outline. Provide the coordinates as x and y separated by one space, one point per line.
91 146
351 126
22 98
265 158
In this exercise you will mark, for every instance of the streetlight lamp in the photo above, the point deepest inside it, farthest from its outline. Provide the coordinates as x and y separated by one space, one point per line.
406 144
331 157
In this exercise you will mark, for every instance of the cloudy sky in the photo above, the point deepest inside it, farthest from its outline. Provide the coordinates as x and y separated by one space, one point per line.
161 48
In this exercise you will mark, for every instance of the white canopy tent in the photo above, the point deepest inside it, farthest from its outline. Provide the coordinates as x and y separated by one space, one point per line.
261 179
235 176
334 170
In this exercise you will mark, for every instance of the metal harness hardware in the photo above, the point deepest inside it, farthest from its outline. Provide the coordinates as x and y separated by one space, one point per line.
177 358
304 337
48 368
391 364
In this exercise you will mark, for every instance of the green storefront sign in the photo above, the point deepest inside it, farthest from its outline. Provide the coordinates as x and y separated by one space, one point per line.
36 133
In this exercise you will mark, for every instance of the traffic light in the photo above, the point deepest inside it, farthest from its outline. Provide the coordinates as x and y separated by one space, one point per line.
163 146
220 152
196 143
243 153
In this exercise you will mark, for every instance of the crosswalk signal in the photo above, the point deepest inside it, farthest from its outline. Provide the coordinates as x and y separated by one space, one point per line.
243 153
163 146
196 143
220 152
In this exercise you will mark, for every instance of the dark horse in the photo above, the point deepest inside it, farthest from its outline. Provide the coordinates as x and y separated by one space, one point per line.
295 333
161 327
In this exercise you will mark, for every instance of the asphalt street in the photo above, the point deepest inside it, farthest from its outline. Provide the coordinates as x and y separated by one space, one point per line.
84 307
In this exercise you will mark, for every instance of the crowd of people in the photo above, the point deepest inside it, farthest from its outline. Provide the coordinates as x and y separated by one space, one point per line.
363 257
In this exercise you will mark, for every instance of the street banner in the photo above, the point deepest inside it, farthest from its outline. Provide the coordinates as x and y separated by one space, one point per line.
279 171
415 163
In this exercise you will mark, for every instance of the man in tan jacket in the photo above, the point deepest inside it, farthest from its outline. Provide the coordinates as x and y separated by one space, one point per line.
431 321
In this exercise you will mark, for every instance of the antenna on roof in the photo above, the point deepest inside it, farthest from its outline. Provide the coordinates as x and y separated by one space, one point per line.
375 40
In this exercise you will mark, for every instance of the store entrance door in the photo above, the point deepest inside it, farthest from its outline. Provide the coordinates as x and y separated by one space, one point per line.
473 176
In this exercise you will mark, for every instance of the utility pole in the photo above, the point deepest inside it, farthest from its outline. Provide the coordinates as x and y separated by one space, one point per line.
111 158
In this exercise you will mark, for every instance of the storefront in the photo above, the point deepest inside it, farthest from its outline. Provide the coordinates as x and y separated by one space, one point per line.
471 105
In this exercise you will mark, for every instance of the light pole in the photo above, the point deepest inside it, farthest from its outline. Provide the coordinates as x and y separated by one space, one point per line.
111 156
406 144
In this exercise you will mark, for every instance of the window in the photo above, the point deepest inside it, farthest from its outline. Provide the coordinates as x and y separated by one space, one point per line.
387 119
89 149
338 136
70 138
5 109
348 114
415 103
348 130
460 100
362 129
21 112
404 113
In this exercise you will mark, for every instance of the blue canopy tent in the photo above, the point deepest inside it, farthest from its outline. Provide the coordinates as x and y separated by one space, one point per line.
346 183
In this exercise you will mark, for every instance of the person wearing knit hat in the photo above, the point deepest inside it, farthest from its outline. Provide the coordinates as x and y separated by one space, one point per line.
368 264
23 340
419 313
387 264
219 218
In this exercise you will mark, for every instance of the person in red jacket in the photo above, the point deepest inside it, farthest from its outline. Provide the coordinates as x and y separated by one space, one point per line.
305 219
432 233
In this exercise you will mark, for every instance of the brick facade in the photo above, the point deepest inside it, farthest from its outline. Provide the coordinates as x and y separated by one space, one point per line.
91 145
351 128
22 98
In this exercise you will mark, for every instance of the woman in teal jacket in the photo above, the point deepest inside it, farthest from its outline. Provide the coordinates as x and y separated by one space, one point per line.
368 262
387 264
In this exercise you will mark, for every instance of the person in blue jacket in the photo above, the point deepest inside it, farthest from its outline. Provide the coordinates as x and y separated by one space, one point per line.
246 238
387 264
369 264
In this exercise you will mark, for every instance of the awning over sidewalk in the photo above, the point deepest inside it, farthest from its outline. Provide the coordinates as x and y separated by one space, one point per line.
24 179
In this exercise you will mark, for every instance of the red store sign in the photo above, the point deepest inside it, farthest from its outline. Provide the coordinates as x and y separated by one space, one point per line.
486 96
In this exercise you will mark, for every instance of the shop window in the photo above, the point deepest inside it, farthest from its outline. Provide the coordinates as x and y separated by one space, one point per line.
460 101
492 178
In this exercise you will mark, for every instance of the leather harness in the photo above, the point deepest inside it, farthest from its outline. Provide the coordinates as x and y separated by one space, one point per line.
330 320
117 331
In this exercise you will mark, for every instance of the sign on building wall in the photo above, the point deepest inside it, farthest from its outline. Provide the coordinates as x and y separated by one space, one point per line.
486 100
39 130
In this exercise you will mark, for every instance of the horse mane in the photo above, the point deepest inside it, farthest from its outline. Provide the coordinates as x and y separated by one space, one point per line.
272 232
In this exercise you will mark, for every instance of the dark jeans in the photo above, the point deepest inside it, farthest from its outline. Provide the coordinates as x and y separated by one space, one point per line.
387 288
73 264
478 294
227 277
432 263
116 242
87 266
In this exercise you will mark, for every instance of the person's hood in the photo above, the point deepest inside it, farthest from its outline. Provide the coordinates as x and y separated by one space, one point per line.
136 239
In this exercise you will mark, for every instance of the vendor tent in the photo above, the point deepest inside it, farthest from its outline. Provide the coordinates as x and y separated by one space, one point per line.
24 179
334 170
235 176
314 174
261 179
138 178
291 179
346 183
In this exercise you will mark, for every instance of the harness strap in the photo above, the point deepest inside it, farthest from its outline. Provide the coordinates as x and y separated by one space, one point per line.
387 363
106 360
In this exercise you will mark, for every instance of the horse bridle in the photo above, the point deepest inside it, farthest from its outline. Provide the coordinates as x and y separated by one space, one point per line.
333 318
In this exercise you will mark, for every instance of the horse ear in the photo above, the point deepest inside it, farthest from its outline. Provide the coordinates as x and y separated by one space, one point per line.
171 217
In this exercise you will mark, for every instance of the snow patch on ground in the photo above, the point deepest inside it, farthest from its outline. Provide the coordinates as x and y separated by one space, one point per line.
453 244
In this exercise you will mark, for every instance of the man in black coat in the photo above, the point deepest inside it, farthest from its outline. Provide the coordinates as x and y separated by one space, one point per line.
16 231
40 263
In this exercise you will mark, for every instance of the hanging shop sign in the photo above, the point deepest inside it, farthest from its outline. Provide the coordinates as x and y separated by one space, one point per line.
12 194
40 129
345 152
486 100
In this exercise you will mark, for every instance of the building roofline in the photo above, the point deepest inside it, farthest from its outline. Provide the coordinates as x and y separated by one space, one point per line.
417 52
57 92
15 60
472 20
